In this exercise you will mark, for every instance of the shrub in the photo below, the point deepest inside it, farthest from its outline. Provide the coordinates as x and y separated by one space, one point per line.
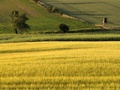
36 1
64 28
52 9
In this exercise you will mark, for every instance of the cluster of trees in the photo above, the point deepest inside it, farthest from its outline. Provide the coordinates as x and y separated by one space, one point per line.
19 22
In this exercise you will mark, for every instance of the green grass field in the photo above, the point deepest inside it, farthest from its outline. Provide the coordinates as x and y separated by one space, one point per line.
82 35
90 10
40 20
60 66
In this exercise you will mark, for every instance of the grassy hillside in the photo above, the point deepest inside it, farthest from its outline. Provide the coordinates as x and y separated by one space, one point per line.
60 66
39 19
90 10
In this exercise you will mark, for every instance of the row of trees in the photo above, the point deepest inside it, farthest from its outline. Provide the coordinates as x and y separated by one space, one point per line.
50 9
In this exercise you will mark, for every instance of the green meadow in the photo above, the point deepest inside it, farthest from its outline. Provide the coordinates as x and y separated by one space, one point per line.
60 66
83 36
40 20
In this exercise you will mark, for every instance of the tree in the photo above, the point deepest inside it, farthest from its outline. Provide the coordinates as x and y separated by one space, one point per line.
19 22
64 28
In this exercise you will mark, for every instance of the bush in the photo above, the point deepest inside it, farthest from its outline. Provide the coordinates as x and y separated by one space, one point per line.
52 9
64 28
36 1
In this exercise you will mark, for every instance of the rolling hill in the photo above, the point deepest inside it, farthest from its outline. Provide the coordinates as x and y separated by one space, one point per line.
40 20
92 11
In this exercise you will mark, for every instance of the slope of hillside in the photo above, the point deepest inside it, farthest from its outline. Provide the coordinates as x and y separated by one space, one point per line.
92 11
40 20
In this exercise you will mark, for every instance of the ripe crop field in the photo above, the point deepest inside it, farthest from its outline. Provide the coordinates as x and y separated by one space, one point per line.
90 10
60 65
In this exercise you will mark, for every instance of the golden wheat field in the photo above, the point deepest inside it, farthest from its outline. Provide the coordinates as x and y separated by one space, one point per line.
60 66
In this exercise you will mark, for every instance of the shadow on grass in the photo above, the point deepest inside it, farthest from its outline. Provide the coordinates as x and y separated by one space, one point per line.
88 31
114 31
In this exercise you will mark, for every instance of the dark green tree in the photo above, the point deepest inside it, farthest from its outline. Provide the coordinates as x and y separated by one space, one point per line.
19 22
64 28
